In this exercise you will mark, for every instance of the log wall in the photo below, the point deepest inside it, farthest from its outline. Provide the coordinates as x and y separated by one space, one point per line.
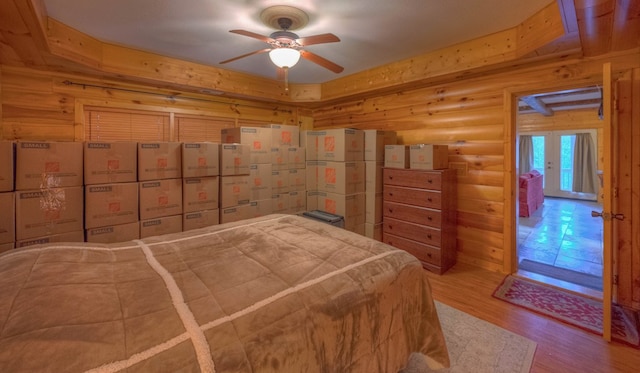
41 105
469 115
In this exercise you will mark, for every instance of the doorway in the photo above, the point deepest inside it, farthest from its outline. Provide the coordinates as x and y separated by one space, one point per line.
560 243
554 157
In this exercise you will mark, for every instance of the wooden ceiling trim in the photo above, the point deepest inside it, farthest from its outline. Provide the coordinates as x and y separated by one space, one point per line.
530 32
489 52
73 45
141 66
595 23
626 25
21 34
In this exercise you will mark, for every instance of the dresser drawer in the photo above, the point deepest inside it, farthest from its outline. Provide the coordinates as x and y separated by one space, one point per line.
412 178
424 253
413 196
414 214
420 233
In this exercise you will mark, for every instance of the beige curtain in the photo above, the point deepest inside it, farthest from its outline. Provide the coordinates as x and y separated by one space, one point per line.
525 163
585 177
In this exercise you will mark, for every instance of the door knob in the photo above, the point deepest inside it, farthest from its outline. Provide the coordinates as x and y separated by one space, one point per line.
606 215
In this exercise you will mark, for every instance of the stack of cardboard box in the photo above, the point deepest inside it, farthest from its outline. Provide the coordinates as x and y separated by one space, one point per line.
7 196
336 174
288 176
240 147
111 191
49 192
160 183
374 150
200 184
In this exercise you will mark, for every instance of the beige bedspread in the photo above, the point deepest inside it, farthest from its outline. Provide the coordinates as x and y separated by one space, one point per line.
280 293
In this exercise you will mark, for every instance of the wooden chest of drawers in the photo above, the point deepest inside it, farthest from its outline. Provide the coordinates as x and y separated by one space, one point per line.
419 215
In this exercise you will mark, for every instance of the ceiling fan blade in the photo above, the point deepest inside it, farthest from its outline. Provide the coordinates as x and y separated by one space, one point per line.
317 39
246 55
321 61
250 34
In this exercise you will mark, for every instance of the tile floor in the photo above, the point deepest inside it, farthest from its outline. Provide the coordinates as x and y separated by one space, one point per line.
563 233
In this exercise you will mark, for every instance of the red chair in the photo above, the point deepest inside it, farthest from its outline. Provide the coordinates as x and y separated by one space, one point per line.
530 195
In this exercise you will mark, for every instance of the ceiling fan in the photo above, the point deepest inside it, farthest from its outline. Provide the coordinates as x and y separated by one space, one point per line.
285 47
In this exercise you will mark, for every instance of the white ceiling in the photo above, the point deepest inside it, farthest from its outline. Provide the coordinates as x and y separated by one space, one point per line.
372 32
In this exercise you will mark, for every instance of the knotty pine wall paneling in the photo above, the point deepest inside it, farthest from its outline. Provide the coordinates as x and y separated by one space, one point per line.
41 105
468 115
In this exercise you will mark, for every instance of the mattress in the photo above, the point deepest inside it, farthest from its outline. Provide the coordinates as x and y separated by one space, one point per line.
280 293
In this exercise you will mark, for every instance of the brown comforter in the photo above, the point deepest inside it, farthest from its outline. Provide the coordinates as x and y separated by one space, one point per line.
280 293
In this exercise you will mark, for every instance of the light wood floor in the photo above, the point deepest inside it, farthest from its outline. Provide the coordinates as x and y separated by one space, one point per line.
561 348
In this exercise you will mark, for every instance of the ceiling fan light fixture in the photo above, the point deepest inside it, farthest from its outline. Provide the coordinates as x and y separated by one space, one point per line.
284 57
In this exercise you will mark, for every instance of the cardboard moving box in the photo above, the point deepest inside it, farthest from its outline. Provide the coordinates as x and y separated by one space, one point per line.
234 190
260 181
48 165
75 236
114 233
374 143
200 219
396 156
234 159
285 135
7 172
7 246
200 159
110 204
349 206
160 226
428 157
110 162
257 138
336 177
41 213
341 145
200 193
160 198
235 213
159 160
8 218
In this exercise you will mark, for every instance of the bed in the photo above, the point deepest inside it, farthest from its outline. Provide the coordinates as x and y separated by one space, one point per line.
280 293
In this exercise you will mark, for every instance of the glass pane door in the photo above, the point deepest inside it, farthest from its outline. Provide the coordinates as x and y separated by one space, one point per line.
553 156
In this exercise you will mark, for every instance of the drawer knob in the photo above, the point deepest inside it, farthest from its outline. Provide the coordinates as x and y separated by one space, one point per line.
429 236
429 199
390 210
430 181
429 255
429 218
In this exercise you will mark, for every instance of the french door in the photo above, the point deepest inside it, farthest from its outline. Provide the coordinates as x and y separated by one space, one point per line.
553 156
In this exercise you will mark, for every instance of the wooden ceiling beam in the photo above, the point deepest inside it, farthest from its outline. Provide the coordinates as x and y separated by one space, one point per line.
537 105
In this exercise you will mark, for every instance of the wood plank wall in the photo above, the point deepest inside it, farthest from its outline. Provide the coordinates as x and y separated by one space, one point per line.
40 105
467 114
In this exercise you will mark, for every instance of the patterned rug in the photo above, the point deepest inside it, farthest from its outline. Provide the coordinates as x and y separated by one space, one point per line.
573 309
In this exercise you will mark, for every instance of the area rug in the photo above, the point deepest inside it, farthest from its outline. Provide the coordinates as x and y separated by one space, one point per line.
570 308
478 346
574 277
